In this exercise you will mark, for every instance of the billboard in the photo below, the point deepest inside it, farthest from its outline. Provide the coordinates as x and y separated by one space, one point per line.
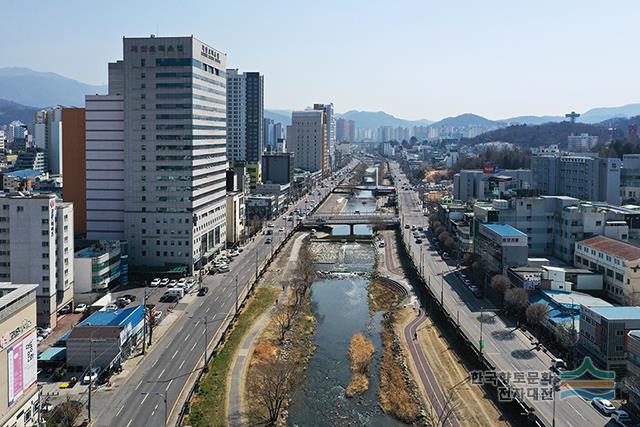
490 169
22 361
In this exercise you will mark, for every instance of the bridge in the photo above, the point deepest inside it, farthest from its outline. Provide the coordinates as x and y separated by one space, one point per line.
377 190
379 219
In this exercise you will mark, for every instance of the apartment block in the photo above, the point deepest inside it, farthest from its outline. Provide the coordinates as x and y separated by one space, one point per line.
36 246
583 177
619 263
329 132
489 183
306 139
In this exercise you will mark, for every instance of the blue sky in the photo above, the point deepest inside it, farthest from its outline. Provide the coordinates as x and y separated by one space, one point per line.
414 59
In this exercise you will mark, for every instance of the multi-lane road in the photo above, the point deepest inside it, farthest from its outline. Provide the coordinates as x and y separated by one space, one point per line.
169 369
505 347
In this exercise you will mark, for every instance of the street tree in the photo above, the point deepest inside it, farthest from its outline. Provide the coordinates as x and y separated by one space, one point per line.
500 285
567 338
269 389
516 300
537 313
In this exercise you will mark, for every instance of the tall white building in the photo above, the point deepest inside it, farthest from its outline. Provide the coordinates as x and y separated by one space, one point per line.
306 139
329 132
582 142
174 151
36 246
104 155
47 136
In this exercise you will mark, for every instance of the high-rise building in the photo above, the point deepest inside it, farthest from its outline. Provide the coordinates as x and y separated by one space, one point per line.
582 142
306 140
17 134
277 168
345 130
36 246
173 156
74 170
104 166
329 132
269 134
582 177
47 136
245 120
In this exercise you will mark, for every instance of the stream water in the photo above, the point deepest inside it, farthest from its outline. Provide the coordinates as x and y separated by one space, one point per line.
340 302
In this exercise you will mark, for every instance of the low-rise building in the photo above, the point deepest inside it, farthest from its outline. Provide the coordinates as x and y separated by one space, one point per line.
236 214
260 207
619 263
280 191
97 268
603 334
500 246
19 404
489 183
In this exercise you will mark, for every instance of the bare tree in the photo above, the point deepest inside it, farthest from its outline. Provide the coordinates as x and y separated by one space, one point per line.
439 417
537 313
516 300
500 284
305 271
270 387
567 338
65 414
284 318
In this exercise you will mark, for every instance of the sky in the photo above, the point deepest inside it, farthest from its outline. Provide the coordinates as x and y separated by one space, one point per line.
413 59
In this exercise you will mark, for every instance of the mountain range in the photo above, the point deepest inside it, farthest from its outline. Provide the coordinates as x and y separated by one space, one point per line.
25 89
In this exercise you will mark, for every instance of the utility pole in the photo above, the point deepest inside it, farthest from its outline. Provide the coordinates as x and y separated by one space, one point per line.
236 294
90 376
481 343
442 291
144 317
205 368
257 250
164 397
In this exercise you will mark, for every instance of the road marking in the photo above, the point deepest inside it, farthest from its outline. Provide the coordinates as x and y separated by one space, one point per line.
139 384
168 385
143 399
156 407
208 309
130 421
162 372
155 363
120 410
187 337
174 354
194 346
180 367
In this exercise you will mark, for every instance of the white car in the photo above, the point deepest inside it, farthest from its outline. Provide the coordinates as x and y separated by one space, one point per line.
164 282
234 253
172 283
191 281
155 282
603 405
91 376
223 268
270 225
182 280
281 230
111 307
80 308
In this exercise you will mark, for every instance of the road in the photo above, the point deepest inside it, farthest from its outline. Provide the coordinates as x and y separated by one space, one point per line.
173 363
507 348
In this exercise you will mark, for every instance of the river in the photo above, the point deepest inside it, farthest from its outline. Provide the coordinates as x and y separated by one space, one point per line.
340 302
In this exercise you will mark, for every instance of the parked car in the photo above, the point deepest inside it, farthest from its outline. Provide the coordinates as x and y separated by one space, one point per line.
157 315
223 269
130 297
603 405
91 376
558 365
234 253
182 280
621 417
268 241
164 282
203 291
172 283
445 255
80 308
155 282
418 241
111 307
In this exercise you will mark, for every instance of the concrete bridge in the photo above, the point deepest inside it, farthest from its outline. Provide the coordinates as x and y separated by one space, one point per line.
377 190
379 219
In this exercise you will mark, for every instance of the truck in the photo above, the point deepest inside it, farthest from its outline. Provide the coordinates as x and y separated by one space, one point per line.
174 292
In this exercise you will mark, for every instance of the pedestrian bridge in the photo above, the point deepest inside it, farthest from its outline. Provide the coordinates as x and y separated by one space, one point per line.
377 190
371 218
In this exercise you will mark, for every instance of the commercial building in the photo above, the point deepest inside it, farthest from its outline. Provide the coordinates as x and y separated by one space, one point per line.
603 334
582 142
630 179
105 338
97 267
104 167
36 246
19 403
47 136
30 159
259 207
307 140
489 183
74 168
235 216
619 263
500 247
245 120
280 191
277 168
583 177
174 153
329 132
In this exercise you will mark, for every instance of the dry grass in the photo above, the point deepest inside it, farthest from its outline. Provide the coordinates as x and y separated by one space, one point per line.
382 297
361 351
396 396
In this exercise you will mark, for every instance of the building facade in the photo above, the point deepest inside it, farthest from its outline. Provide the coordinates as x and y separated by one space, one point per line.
47 136
97 268
19 399
329 132
174 151
74 169
489 183
307 141
501 247
277 168
245 120
619 263
235 217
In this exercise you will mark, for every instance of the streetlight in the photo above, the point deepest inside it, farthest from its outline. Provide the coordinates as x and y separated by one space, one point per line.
164 396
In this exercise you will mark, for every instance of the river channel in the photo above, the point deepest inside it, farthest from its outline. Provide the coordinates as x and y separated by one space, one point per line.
340 302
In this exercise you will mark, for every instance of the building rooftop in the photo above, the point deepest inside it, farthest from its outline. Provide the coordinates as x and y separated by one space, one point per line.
114 317
618 313
505 230
617 248
575 298
95 332
98 249
53 354
25 173
9 293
